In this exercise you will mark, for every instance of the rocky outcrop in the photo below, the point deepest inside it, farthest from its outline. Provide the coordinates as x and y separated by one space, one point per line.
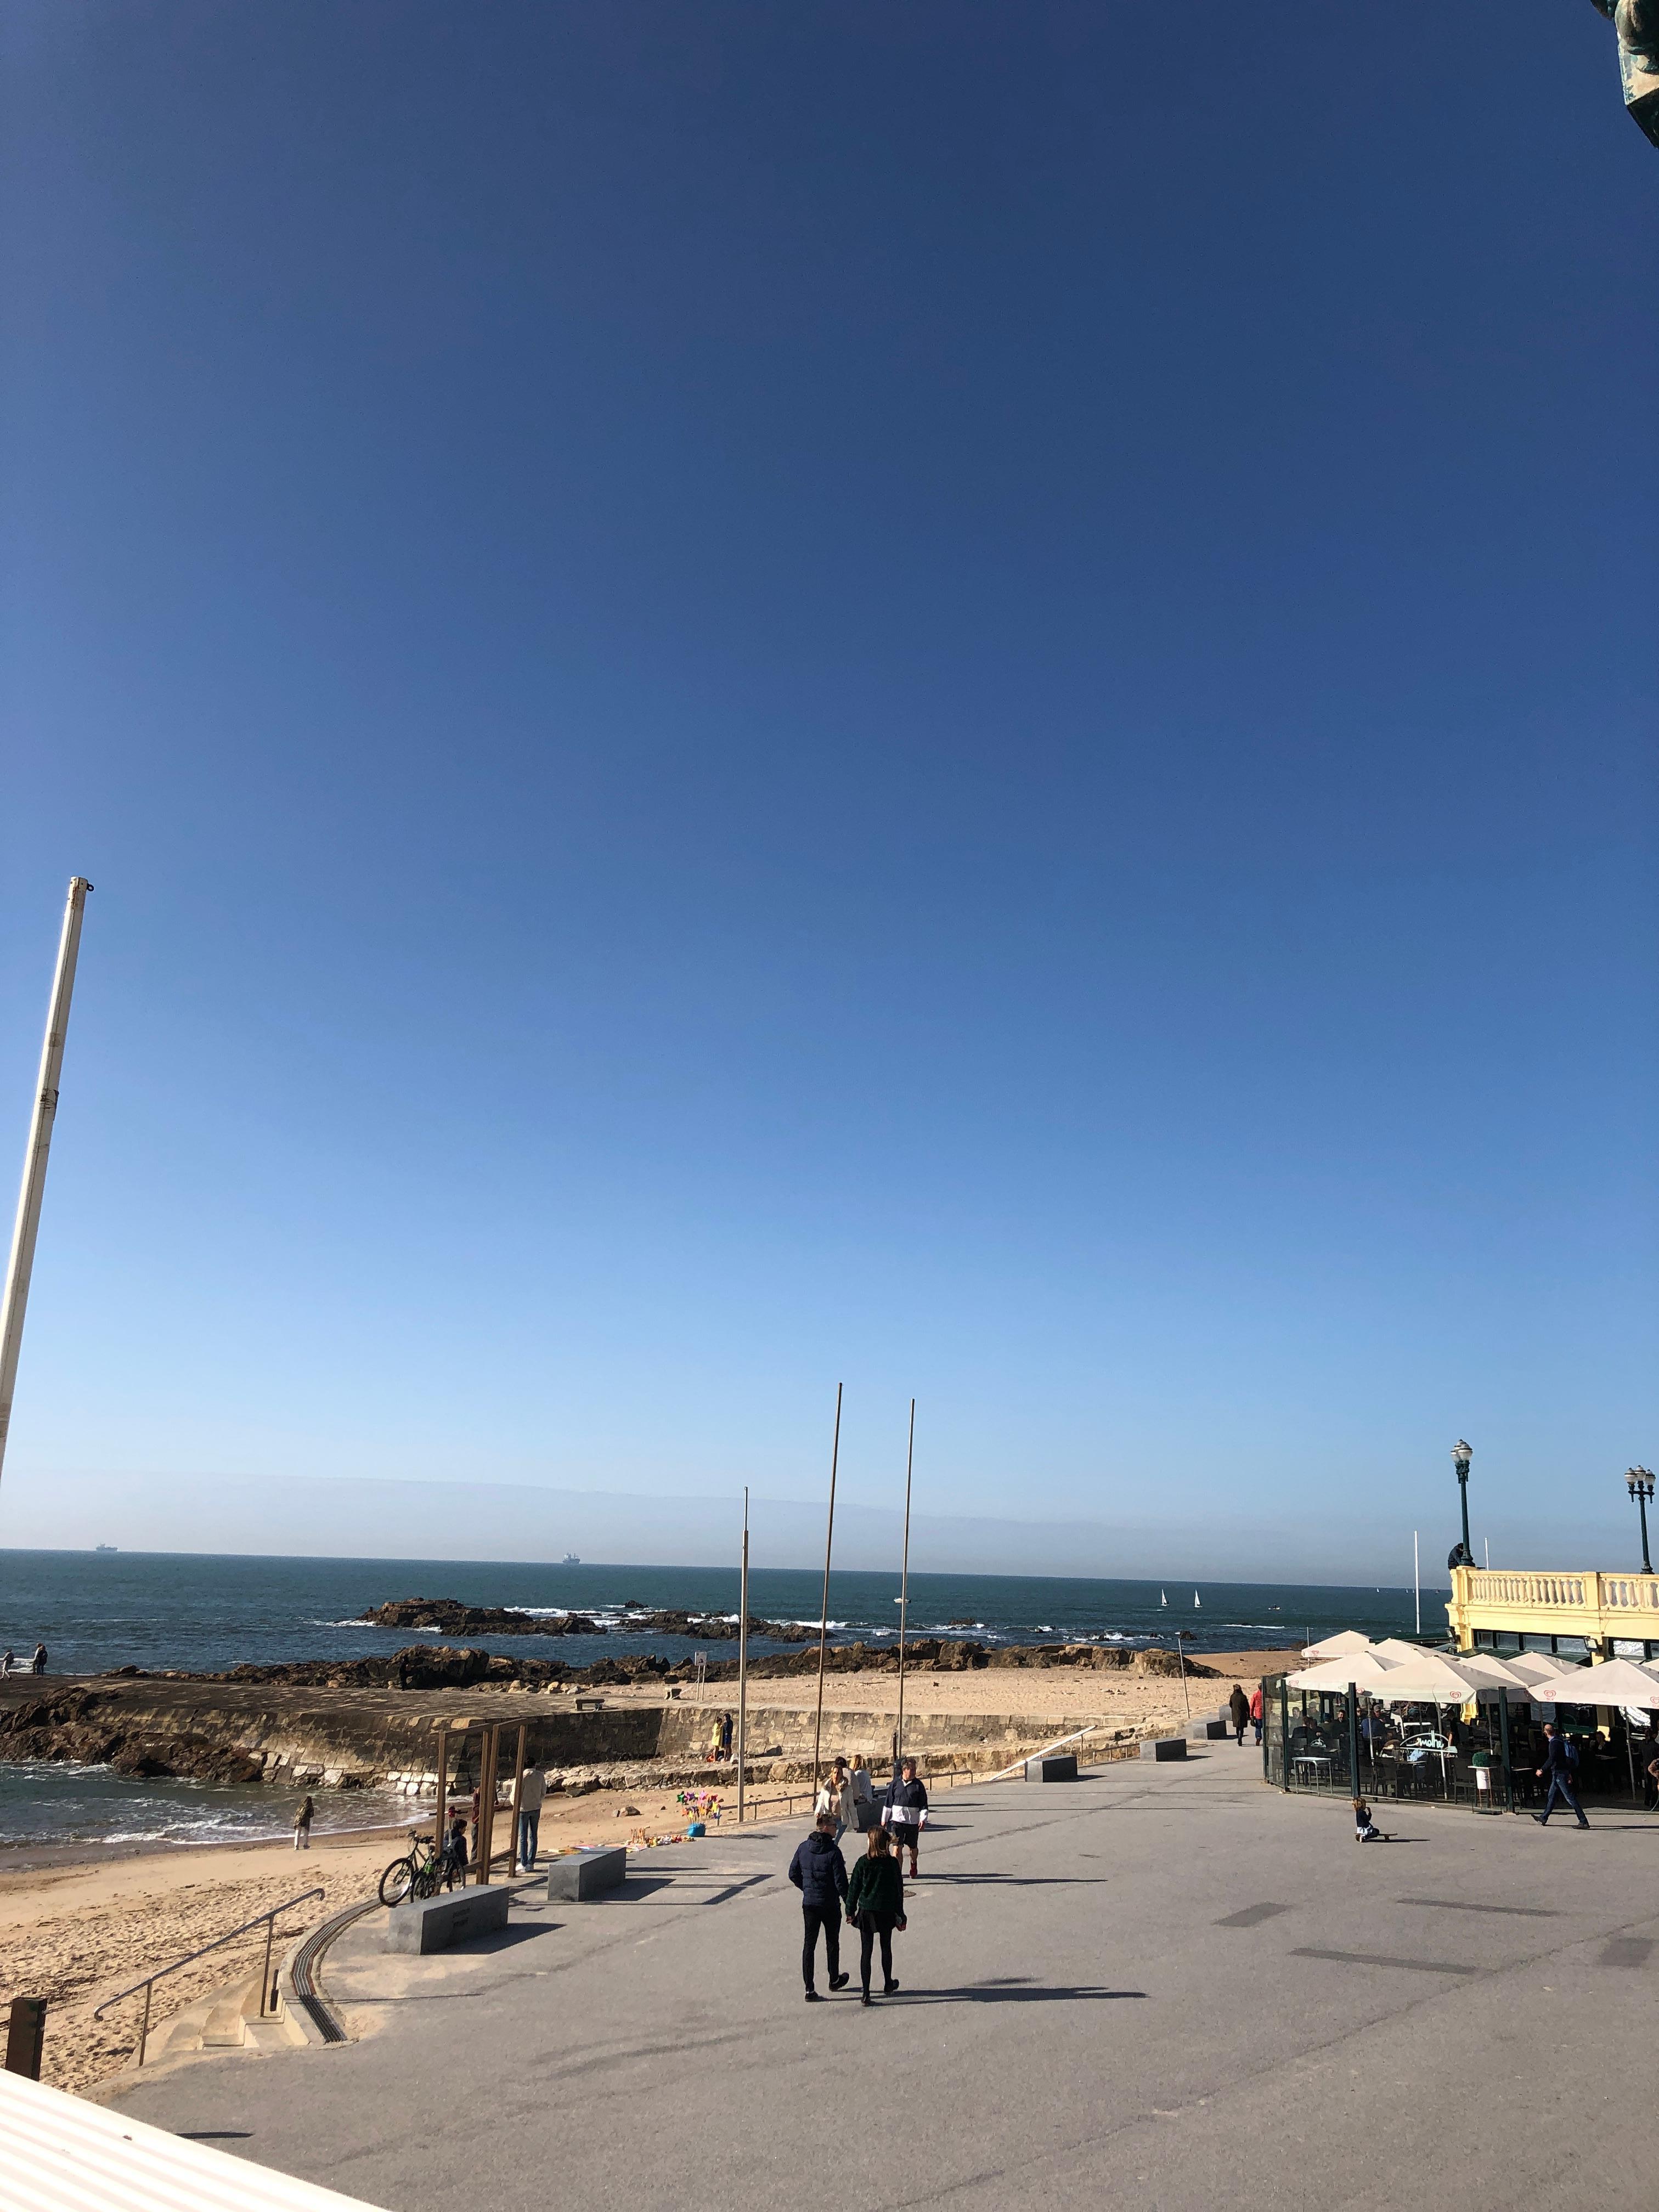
451 1618
78 1727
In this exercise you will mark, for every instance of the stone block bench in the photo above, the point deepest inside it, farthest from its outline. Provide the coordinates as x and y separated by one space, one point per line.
1054 1766
435 1923
580 1875
1161 1747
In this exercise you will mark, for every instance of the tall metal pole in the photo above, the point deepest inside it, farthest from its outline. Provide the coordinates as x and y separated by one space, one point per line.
21 1263
1417 1581
743 1657
823 1623
904 1585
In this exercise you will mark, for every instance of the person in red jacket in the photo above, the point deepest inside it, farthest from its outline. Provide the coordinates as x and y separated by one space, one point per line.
1258 1710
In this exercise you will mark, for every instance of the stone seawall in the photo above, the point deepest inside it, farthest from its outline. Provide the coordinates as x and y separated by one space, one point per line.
347 1739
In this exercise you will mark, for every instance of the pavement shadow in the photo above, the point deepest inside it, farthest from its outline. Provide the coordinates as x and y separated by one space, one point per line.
505 1939
1019 1990
1015 1880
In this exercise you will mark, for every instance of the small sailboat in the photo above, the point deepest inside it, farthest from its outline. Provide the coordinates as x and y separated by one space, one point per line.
1195 1597
1164 1597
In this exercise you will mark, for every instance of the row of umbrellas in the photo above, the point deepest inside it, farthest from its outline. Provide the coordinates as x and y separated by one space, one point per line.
1394 1672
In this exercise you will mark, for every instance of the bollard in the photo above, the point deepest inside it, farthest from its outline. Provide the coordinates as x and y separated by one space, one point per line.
25 2034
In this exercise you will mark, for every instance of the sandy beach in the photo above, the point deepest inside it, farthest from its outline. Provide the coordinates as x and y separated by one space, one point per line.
78 1926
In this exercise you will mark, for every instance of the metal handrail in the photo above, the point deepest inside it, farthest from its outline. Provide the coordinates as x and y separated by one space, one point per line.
268 1920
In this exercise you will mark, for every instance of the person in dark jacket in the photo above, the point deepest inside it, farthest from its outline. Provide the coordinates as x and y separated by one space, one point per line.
1558 1765
819 1873
1239 1706
875 1900
904 1808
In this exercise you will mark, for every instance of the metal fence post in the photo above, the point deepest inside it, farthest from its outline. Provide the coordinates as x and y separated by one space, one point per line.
1353 1741
1503 1750
26 2032
1285 1733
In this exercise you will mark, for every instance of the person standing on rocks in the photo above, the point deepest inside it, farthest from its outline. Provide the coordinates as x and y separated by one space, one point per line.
875 1906
532 1795
905 1809
819 1873
40 1658
302 1825
1239 1706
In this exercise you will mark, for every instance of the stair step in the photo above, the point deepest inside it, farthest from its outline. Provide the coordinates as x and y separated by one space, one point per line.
224 2027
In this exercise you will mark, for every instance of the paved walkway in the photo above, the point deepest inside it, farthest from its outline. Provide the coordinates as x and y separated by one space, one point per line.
1165 1983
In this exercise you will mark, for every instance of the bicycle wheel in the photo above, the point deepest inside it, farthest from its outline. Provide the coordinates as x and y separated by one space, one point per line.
426 1881
398 1880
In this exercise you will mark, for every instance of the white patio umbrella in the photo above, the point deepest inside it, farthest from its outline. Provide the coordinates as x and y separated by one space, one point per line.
1539 1667
1431 1678
1333 1647
1610 1682
1363 1668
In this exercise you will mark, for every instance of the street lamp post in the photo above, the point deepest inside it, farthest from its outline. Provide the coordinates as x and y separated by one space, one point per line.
1461 1555
1639 1483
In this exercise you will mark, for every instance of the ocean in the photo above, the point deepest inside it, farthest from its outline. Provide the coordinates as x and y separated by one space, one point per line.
96 1610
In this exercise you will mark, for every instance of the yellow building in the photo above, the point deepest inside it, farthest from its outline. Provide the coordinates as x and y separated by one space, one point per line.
1579 1615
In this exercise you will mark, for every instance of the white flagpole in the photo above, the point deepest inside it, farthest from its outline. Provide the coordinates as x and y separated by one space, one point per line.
743 1657
1417 1582
21 1263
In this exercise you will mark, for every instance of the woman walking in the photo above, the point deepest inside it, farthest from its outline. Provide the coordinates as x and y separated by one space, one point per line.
875 1904
302 1826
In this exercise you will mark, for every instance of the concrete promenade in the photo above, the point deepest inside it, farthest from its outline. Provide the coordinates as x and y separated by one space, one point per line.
1167 1986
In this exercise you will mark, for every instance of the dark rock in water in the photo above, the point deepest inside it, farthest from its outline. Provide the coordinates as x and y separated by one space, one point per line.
452 1618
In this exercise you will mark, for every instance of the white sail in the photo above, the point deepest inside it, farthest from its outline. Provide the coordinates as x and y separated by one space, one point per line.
1195 1597
1164 1597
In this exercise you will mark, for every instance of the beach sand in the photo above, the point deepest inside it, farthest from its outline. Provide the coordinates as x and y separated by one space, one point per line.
75 1930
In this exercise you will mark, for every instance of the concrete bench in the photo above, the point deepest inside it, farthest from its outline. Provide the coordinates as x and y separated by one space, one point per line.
580 1874
1056 1766
434 1923
590 1704
1210 1731
1161 1747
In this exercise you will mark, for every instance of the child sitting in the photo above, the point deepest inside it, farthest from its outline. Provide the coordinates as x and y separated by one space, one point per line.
1365 1830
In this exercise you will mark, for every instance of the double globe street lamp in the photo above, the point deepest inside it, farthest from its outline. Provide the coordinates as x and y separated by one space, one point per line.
1639 1480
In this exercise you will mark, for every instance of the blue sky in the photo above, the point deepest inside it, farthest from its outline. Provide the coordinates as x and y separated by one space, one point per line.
959 699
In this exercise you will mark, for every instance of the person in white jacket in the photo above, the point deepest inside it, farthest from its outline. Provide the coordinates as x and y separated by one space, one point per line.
835 1798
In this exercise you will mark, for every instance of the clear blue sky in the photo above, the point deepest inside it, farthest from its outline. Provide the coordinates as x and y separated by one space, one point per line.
958 697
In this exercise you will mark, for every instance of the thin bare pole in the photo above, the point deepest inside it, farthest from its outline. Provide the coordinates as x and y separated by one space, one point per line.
742 1656
14 1301
904 1585
1417 1581
823 1622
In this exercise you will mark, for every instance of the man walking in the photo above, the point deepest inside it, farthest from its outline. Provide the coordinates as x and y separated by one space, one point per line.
1560 1763
531 1795
905 1810
819 1873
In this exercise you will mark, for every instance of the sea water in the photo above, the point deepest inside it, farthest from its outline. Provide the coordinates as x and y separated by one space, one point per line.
96 1611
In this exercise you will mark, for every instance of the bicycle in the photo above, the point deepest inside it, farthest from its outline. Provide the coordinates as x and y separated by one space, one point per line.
423 1873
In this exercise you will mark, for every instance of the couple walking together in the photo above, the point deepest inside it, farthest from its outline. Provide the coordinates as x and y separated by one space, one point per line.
874 1896
874 1891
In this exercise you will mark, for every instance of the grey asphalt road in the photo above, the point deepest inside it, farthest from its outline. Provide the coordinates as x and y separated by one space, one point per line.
1168 1984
